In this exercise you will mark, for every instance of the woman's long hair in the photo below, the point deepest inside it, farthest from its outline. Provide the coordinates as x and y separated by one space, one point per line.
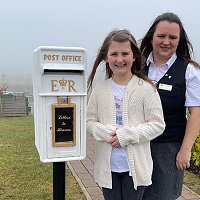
184 49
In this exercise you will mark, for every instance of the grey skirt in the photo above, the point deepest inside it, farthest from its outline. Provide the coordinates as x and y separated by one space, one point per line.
167 180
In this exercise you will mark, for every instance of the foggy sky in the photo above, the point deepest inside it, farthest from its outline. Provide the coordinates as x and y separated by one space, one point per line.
28 24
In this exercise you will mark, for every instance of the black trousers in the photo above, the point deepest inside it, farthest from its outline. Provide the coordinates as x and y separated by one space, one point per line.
123 188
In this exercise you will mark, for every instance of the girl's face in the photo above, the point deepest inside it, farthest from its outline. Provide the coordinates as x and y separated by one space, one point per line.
165 41
120 59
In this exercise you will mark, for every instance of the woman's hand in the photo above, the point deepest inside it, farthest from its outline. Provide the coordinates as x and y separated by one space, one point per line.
183 160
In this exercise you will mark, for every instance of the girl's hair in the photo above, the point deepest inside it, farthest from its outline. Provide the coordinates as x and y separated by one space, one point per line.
117 36
184 49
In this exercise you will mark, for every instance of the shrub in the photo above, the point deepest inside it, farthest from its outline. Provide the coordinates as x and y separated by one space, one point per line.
196 154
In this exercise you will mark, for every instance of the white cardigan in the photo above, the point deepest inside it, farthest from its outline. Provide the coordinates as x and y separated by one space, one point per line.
143 120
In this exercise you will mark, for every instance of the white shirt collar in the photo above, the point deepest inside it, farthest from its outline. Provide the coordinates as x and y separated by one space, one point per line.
168 63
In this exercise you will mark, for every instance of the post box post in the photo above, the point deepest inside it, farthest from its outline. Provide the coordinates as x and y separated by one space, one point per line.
59 181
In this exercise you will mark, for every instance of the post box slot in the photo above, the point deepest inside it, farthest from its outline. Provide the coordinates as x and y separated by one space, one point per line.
63 71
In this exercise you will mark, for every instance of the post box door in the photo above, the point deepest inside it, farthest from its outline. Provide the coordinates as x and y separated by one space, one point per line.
70 144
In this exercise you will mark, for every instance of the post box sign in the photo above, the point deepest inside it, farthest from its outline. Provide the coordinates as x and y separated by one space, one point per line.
64 124
60 96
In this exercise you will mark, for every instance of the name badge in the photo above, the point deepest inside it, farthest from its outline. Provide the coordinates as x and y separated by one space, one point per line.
163 86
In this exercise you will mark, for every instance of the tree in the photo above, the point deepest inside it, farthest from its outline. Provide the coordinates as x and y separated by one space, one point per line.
3 89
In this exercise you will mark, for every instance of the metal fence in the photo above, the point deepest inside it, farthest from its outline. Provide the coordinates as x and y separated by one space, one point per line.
14 105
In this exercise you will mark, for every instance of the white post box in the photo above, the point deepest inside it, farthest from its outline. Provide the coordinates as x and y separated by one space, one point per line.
60 96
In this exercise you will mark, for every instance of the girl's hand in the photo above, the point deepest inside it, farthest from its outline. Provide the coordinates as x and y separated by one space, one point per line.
114 140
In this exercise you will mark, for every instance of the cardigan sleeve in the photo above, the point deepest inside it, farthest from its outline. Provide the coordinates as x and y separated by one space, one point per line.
94 127
152 126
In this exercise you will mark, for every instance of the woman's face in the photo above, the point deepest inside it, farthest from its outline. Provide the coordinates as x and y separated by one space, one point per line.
165 40
120 58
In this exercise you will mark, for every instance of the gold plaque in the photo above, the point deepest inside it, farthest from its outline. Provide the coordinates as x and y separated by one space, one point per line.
63 124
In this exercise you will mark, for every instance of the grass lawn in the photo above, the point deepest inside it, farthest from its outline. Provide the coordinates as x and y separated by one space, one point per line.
22 175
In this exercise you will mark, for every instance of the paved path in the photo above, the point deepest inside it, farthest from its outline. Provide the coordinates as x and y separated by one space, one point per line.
83 172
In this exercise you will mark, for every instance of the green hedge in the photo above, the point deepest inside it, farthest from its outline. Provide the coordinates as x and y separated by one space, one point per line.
196 154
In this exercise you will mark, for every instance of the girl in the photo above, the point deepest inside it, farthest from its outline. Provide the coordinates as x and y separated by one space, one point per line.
124 113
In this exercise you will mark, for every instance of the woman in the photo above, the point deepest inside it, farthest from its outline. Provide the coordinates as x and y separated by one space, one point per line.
124 113
167 51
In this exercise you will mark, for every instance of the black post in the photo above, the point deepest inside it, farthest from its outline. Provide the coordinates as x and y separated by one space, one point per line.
59 181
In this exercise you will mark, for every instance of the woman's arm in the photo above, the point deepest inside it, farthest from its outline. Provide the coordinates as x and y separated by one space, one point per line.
191 133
